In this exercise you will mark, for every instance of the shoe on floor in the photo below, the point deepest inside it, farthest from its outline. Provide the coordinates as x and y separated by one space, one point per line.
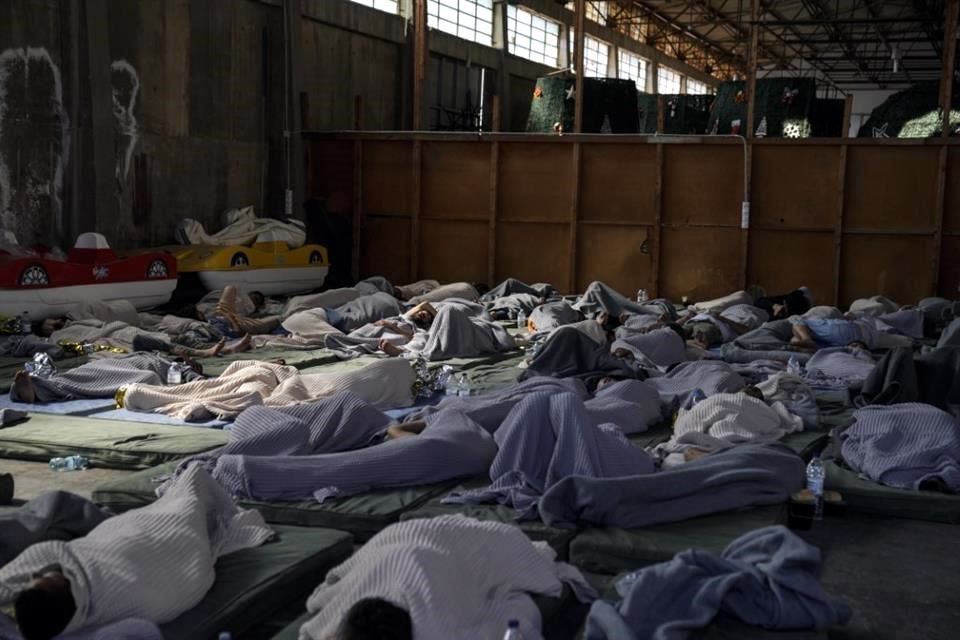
6 488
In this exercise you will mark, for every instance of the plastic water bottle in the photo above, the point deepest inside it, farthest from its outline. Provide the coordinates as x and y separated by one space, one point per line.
793 366
642 296
697 396
224 635
513 631
465 388
69 463
521 320
815 476
453 386
25 326
175 373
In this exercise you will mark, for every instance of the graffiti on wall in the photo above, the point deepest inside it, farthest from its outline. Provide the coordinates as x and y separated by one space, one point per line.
126 88
34 143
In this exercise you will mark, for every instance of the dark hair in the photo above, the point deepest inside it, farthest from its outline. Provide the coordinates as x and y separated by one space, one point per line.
253 295
481 287
677 329
375 619
186 311
42 614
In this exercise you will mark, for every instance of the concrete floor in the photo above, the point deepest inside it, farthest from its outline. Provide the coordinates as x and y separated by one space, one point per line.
33 478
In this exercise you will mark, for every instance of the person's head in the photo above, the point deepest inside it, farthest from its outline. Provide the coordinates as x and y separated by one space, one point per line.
258 300
375 619
422 315
481 287
753 392
858 345
45 609
779 312
677 329
188 311
48 326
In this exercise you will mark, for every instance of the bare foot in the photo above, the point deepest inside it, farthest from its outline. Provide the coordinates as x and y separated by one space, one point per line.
241 345
389 348
279 361
23 387
693 454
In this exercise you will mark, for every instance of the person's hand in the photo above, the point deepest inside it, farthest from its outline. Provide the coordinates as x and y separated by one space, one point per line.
624 354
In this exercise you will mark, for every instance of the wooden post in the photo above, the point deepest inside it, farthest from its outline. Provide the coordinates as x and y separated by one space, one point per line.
847 116
838 229
657 225
357 208
574 217
420 54
950 16
579 22
417 198
661 113
752 68
492 220
939 211
357 113
496 121
502 99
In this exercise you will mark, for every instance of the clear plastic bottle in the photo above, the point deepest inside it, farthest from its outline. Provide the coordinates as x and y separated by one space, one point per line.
26 327
452 387
793 366
69 463
697 396
513 631
522 320
224 635
465 388
175 373
642 296
815 478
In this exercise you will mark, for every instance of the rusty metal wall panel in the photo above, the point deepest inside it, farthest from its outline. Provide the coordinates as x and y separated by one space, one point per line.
385 248
387 178
702 184
899 267
795 187
950 268
618 182
535 181
781 261
951 212
891 188
701 263
619 256
533 252
456 180
453 250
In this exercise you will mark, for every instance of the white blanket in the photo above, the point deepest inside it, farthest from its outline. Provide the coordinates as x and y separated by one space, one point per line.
153 563
242 226
388 384
456 577
725 420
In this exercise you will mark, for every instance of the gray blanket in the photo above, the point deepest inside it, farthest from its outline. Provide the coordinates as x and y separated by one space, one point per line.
101 378
546 438
569 352
24 346
908 446
677 386
364 310
745 476
599 296
57 515
552 315
766 578
464 330
512 286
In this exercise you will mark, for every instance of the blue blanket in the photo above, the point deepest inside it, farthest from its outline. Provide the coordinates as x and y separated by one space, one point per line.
546 438
745 476
767 577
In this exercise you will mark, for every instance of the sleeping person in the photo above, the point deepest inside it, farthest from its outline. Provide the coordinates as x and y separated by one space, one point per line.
815 333
100 578
409 582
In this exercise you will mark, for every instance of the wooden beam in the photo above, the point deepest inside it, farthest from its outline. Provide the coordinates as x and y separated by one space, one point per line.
415 203
294 46
657 225
752 68
357 230
847 116
951 12
661 113
579 22
938 213
420 54
838 229
502 97
492 219
574 216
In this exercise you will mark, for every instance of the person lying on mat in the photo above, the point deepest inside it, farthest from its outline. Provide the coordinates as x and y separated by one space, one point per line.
455 329
811 334
709 329
409 582
152 563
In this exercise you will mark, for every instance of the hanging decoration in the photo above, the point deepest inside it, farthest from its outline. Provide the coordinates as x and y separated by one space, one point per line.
882 131
789 95
735 127
762 128
537 93
672 106
741 97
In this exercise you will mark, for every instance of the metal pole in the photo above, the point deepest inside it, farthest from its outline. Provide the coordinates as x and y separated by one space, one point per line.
949 60
419 60
581 12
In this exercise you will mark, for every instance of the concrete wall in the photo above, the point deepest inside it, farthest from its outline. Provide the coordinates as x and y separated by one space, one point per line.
126 116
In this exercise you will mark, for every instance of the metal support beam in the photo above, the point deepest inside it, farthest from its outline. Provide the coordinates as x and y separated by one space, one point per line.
580 18
420 54
950 15
752 71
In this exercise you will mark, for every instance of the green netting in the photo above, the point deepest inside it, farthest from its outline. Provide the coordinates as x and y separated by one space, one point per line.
683 114
826 118
911 113
609 106
783 106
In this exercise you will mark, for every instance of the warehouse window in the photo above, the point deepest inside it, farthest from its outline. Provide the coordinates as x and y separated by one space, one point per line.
467 19
596 56
697 88
533 37
633 67
668 81
390 6
596 10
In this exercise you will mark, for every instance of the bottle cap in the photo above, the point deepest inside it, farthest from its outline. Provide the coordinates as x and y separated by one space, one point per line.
513 624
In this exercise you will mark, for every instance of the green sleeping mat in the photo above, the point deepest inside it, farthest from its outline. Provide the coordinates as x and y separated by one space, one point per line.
362 515
559 539
111 444
613 550
252 584
868 496
652 436
299 358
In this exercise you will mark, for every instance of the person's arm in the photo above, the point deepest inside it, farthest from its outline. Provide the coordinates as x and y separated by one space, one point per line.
802 336
406 429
